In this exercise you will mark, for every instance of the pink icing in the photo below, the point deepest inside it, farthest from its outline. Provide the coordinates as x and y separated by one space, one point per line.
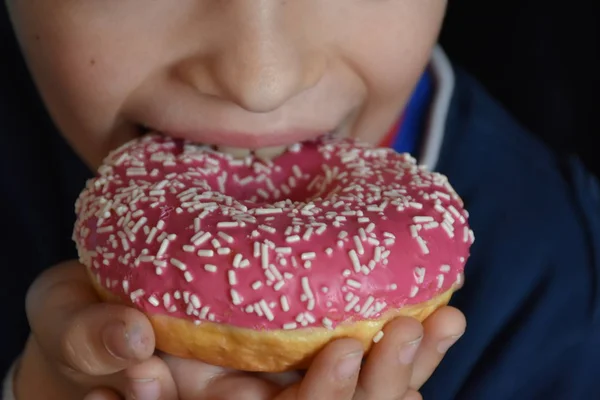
329 232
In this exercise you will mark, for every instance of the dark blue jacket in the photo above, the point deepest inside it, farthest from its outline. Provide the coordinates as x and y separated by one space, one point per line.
531 293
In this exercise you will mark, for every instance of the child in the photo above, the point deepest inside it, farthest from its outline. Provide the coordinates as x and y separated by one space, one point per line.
202 69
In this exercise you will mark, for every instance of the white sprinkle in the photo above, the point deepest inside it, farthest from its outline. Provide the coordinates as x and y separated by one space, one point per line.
235 297
237 260
266 309
327 323
414 231
151 235
105 229
308 256
290 326
422 245
223 250
359 247
257 285
355 261
266 211
268 229
178 264
188 249
195 301
422 219
264 253
448 228
440 281
205 253
353 283
200 238
292 239
445 268
308 233
413 291
378 336
210 268
188 276
278 285
328 251
377 255
285 305
419 273
306 288
226 237
227 224
352 303
283 250
232 277
154 301
431 225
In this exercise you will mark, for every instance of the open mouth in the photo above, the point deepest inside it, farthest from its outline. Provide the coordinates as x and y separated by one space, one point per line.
238 152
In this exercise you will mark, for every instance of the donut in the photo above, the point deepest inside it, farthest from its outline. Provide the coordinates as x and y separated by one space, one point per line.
257 264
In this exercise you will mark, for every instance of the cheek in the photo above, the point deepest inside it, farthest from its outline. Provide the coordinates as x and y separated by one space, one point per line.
391 58
84 70
398 47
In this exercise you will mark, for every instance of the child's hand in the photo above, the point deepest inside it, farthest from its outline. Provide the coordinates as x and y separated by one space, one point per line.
78 343
396 368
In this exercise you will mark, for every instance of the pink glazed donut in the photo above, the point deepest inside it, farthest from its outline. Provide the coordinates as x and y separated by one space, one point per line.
255 264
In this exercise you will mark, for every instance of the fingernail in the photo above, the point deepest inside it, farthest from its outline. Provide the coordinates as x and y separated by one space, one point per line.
349 365
138 342
115 341
144 389
408 351
445 344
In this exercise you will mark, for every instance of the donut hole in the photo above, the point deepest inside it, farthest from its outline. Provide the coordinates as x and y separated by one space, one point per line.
286 181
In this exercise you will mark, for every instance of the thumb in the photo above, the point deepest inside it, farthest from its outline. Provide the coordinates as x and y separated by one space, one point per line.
76 330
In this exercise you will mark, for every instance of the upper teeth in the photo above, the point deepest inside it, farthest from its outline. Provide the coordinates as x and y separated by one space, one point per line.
267 153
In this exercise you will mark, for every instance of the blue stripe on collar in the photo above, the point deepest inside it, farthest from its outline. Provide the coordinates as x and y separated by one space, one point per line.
411 130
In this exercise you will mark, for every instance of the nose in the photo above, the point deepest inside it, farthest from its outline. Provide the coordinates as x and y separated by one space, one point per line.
260 61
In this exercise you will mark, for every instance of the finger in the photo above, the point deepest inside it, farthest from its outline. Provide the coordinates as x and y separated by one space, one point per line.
412 395
332 375
442 329
73 328
151 380
387 372
196 380
102 394
281 379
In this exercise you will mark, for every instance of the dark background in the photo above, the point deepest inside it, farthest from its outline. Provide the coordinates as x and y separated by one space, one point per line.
540 58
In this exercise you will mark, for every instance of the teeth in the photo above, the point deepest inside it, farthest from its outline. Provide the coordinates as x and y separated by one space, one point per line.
265 153
269 153
235 152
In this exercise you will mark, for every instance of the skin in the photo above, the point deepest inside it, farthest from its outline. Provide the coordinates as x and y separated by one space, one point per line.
203 69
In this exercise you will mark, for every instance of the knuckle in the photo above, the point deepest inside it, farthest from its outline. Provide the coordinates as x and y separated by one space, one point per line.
77 351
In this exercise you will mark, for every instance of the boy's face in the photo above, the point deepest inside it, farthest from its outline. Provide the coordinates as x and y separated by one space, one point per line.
235 73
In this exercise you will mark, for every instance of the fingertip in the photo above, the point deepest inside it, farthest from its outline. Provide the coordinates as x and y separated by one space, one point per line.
446 321
105 338
151 380
102 394
413 395
404 329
